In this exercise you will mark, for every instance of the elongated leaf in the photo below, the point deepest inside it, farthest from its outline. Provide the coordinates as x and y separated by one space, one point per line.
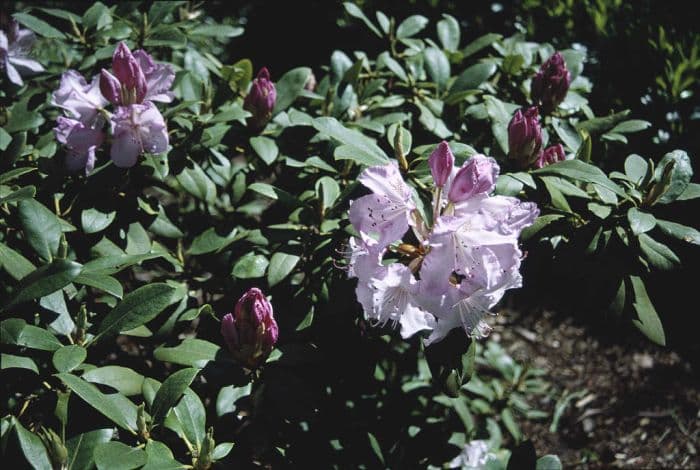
449 32
123 379
648 320
581 171
290 86
170 392
191 352
81 448
121 412
364 145
41 227
117 456
472 77
354 10
38 26
681 232
659 255
640 222
411 26
17 332
104 283
160 457
265 147
10 361
69 357
281 264
14 263
137 308
45 280
32 447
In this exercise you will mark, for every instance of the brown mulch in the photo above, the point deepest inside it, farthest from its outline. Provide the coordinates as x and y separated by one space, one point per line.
640 403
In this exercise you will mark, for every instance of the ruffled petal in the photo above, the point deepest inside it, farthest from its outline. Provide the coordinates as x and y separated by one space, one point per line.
379 220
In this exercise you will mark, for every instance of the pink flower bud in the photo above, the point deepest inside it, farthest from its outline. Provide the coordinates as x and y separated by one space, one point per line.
441 162
551 83
552 154
251 331
260 100
110 87
129 73
477 176
524 137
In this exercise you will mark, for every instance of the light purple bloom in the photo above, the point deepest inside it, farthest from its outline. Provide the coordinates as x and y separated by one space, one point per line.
383 216
81 142
441 162
15 46
552 154
477 176
136 79
551 83
473 457
137 129
251 331
261 99
81 100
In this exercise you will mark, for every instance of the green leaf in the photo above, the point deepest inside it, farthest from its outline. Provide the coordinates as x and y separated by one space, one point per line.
281 264
548 462
27 192
188 418
692 191
170 392
81 448
411 26
648 320
472 77
69 357
681 232
227 397
160 457
97 16
448 32
126 381
121 412
10 361
363 146
13 174
354 10
238 75
384 59
636 168
250 266
659 255
196 182
289 87
94 221
222 450
191 352
32 447
265 147
480 43
217 30
137 308
633 125
602 124
45 280
17 332
640 222
510 424
376 448
42 229
437 65
680 176
104 283
117 456
106 265
14 263
581 171
209 241
38 26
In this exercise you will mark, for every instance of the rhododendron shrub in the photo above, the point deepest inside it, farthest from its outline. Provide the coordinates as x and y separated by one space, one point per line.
207 260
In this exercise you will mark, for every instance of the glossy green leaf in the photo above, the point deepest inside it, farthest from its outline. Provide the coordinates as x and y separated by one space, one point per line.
137 308
680 176
354 10
81 448
39 26
94 221
170 392
126 381
45 280
472 77
160 457
281 265
14 263
448 31
648 320
289 87
411 26
32 447
121 411
10 361
191 352
69 357
118 456
41 227
265 147
17 332
679 231
659 255
640 222
250 266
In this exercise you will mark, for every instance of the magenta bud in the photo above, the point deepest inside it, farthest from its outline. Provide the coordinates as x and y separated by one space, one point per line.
551 154
110 87
551 83
261 99
477 176
251 331
524 137
129 73
441 162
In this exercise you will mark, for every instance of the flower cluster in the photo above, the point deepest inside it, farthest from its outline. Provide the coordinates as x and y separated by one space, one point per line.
460 264
548 89
250 331
136 125
15 45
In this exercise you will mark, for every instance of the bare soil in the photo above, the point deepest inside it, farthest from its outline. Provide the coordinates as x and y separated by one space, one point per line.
638 404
